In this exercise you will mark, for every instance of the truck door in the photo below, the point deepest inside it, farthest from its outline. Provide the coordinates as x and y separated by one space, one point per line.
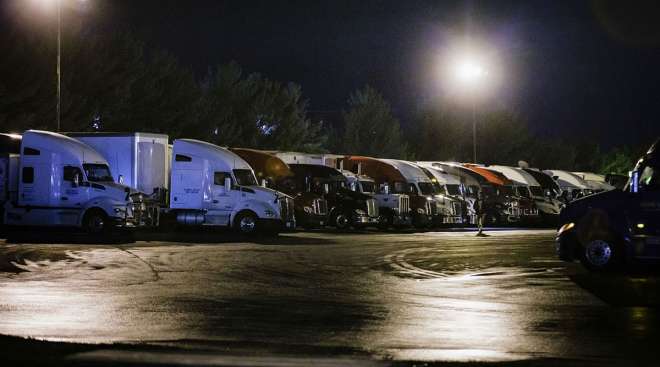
74 193
223 198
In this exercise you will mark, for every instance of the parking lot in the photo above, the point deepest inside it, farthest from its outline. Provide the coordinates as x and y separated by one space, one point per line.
434 296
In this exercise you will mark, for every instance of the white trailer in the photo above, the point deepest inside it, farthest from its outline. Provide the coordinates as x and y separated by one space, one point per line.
62 182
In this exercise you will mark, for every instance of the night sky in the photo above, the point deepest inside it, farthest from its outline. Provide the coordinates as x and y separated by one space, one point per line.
581 69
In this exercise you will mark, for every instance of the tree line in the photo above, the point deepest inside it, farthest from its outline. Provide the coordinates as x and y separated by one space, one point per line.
114 82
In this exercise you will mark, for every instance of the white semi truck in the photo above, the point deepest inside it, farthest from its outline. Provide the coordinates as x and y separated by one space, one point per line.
204 185
58 181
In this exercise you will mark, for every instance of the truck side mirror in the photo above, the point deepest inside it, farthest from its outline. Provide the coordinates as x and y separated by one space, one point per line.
326 188
386 189
120 179
227 184
75 182
264 183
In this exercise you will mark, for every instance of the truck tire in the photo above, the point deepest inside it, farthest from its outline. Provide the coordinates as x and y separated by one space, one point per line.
342 221
600 255
246 223
95 221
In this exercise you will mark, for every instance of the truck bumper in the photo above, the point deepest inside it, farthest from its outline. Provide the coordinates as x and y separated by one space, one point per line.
365 221
421 220
402 220
276 225
312 221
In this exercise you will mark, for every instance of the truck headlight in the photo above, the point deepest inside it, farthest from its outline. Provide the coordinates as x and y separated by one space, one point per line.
269 213
421 211
308 209
360 212
565 227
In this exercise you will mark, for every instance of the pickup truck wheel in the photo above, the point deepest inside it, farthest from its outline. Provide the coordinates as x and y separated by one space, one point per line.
342 221
599 255
95 222
246 223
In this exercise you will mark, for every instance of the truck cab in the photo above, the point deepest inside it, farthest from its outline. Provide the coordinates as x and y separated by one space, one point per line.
502 203
457 210
347 208
572 186
212 186
311 208
62 182
614 227
394 208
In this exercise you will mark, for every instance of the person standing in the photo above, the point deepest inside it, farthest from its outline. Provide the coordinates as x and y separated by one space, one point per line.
479 208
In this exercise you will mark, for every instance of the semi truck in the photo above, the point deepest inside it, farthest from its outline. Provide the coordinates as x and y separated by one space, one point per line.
346 208
525 185
616 227
572 187
451 187
394 208
388 174
311 209
195 183
57 181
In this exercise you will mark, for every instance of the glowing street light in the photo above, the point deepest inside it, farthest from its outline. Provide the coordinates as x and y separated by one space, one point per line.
58 4
470 73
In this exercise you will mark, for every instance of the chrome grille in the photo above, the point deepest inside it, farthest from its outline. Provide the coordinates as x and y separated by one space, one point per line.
286 209
404 204
372 208
320 207
458 210
428 208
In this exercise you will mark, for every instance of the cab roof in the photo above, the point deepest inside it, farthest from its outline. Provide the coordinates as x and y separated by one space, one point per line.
66 146
494 177
263 163
221 158
378 169
517 175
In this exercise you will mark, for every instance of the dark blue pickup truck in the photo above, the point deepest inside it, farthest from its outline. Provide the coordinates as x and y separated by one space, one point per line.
616 227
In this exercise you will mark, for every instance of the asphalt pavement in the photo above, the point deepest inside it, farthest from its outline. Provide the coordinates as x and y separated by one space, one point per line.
383 297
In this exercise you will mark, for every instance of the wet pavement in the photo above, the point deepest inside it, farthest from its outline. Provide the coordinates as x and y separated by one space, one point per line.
437 296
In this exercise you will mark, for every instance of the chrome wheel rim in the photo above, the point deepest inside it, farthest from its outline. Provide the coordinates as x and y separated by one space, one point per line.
247 224
599 253
342 221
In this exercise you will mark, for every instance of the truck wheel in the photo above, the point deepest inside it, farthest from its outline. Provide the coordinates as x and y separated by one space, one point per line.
95 222
342 221
599 255
246 223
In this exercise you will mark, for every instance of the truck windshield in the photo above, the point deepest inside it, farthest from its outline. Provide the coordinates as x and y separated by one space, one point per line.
426 188
454 189
536 190
98 173
245 177
368 186
522 191
506 190
648 179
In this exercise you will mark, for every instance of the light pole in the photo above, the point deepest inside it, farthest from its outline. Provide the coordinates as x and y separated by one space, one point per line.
470 73
59 59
